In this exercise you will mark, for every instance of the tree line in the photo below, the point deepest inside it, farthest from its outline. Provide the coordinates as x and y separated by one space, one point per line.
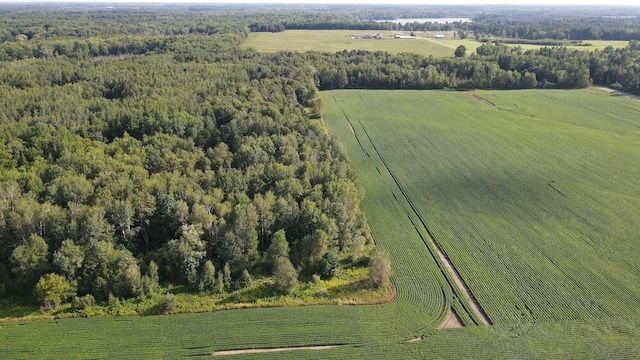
493 66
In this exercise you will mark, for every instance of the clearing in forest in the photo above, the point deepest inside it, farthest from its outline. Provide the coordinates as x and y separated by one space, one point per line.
338 40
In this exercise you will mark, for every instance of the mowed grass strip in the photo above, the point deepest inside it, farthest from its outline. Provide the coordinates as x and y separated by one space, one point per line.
338 40
534 200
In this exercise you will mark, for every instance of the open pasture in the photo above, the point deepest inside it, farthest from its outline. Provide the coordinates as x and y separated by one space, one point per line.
532 195
472 45
338 40
425 44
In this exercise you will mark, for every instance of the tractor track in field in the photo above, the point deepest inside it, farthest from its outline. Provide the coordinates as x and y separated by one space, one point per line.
614 92
481 99
457 279
452 322
438 42
552 185
273 350
356 135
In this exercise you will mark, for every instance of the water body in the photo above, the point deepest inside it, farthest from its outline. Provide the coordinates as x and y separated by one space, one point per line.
426 20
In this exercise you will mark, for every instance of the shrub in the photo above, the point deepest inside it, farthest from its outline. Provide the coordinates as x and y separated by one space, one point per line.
322 293
113 301
167 304
150 281
220 283
207 281
246 280
83 302
328 264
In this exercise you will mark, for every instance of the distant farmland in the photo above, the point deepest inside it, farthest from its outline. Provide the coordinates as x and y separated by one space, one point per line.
338 40
532 195
425 44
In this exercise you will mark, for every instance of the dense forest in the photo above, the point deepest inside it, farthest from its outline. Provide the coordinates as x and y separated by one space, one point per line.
146 147
195 165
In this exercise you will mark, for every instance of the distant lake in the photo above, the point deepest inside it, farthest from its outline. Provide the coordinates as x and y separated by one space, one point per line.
425 20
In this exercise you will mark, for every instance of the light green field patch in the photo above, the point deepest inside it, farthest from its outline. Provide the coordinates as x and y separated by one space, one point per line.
338 40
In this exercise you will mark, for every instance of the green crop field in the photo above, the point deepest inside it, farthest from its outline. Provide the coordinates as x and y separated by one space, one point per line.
532 195
338 40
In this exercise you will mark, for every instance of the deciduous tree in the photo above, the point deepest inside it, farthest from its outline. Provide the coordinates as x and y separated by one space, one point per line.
29 260
53 290
207 281
380 270
285 276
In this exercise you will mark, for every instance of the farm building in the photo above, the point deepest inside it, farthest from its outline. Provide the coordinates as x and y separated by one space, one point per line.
440 36
398 36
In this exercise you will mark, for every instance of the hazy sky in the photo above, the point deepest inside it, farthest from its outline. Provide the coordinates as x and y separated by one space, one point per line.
373 2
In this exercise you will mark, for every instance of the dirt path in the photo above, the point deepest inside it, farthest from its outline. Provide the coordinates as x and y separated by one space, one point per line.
452 322
617 92
460 284
439 43
272 350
